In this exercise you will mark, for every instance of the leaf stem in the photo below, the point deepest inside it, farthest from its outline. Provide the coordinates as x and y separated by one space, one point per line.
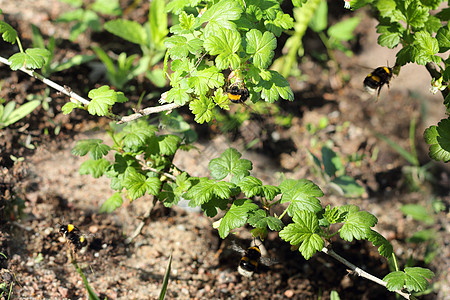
361 272
284 212
19 44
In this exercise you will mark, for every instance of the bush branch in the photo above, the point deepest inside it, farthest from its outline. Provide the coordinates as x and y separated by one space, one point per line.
361 272
67 91
61 89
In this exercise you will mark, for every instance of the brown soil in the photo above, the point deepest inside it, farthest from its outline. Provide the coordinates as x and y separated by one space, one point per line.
46 190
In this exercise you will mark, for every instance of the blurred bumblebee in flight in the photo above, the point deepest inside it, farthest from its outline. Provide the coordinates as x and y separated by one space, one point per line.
376 79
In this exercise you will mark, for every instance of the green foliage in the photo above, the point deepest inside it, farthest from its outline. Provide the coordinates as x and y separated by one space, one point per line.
88 18
51 66
9 114
438 137
413 279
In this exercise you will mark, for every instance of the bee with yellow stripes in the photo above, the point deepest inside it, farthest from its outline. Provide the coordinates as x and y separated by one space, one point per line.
377 78
237 92
73 235
251 260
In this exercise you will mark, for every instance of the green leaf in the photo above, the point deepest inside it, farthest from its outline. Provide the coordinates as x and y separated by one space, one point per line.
202 109
107 7
178 95
269 192
112 203
138 134
319 20
204 191
94 147
416 15
427 47
438 137
236 216
343 31
302 195
357 223
204 80
225 44
94 167
69 106
274 86
229 163
221 12
349 186
261 47
137 184
9 34
251 186
304 232
177 46
417 212
33 58
101 100
443 38
414 279
129 30
168 144
259 219
10 116
211 207
280 23
406 55
384 247
390 34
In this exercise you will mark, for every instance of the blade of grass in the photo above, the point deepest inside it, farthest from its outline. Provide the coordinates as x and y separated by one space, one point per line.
404 153
166 279
90 291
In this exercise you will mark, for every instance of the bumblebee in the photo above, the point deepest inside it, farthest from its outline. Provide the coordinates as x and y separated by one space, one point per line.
237 92
377 78
73 235
251 259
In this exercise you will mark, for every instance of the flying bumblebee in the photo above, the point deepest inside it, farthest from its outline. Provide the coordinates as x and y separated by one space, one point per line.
377 78
73 235
251 259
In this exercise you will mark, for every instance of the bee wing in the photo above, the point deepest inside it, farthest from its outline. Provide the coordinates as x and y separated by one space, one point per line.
237 248
268 261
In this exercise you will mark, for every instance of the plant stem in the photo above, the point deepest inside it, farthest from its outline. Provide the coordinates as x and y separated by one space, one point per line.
412 142
361 272
67 91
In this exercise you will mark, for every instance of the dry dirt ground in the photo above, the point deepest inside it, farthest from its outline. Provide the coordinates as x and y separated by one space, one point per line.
204 267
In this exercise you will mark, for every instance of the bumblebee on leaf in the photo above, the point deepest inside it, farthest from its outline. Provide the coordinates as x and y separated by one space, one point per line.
376 79
237 92
73 236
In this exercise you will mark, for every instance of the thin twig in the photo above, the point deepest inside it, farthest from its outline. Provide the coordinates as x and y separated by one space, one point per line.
50 83
67 91
147 111
361 272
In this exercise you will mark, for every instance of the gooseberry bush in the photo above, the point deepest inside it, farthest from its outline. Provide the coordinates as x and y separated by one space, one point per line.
215 44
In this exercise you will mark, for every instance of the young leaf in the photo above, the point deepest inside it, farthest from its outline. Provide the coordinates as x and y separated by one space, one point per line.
112 203
274 86
9 34
221 13
94 167
204 80
212 206
129 30
384 247
390 34
236 216
177 46
206 189
33 58
261 47
202 109
357 223
343 31
438 137
428 47
281 22
443 38
95 147
302 194
250 186
269 192
164 144
225 44
179 95
102 99
414 279
259 219
305 231
137 184
229 162
137 134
